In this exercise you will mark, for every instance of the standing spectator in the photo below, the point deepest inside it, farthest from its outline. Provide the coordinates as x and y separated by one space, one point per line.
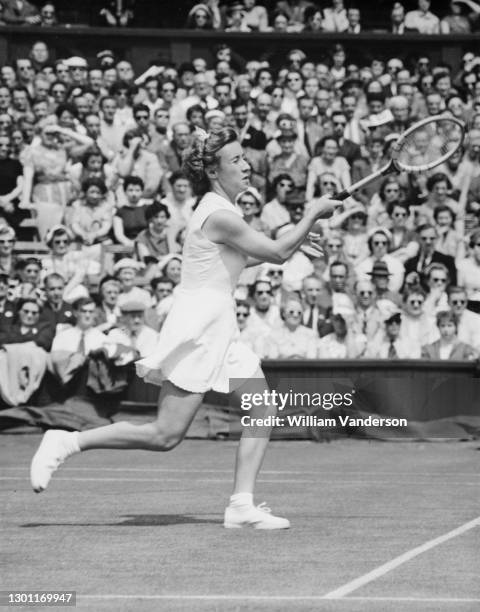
448 346
469 273
422 20
107 313
468 327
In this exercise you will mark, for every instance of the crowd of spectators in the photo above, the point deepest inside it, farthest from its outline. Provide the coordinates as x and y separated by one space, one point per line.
91 162
282 16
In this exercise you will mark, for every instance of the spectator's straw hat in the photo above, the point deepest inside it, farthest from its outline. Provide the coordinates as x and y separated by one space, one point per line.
358 209
199 7
76 62
56 229
380 268
133 306
127 262
214 113
106 58
394 318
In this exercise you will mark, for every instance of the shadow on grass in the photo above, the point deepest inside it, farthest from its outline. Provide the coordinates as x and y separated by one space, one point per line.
138 520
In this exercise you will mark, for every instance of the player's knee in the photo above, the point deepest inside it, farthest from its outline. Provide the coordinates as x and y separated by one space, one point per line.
163 440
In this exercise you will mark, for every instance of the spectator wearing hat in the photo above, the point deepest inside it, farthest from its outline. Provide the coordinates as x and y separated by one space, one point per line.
288 161
327 160
380 278
291 339
250 203
427 255
132 331
7 307
285 122
204 17
126 271
379 241
389 344
448 346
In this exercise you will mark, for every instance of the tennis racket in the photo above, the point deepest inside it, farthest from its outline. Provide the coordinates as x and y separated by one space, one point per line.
426 144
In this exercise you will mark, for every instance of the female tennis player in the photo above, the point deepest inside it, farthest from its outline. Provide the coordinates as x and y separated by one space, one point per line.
199 347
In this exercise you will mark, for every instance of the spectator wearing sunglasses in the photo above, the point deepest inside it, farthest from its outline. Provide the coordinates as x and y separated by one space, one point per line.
379 241
367 320
437 284
265 315
418 326
26 326
468 327
292 339
346 148
404 240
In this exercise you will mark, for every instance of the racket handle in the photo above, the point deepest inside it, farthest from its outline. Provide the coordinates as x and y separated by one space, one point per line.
343 195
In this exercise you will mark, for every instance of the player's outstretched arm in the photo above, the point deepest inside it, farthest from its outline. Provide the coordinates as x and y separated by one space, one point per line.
225 227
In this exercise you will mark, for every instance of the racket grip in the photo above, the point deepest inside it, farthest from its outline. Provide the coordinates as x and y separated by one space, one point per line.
343 195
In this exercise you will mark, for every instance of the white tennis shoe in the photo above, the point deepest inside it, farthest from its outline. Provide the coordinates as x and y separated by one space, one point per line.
258 517
56 446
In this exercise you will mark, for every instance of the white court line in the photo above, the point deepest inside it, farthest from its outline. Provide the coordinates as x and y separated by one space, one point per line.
211 471
276 598
361 581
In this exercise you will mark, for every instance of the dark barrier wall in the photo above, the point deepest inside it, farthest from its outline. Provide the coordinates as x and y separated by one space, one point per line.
140 46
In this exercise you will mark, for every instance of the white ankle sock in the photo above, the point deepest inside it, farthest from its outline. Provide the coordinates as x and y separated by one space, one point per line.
241 499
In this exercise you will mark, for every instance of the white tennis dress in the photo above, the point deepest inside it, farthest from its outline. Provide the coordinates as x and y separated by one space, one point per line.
199 346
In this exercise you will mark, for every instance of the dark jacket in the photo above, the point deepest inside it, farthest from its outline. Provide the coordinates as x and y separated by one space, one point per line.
411 265
460 351
42 335
62 316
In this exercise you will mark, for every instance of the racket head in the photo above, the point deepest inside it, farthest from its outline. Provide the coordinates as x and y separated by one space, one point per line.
428 143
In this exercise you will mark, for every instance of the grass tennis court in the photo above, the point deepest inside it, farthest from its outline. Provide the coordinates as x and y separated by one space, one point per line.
376 527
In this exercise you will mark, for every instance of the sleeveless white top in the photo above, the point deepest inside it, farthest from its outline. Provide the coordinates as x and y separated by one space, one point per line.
199 347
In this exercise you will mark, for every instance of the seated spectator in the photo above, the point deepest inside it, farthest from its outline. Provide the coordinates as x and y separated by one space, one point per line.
314 315
388 194
397 18
107 312
468 322
171 267
469 273
449 241
70 265
439 187
275 213
55 311
291 339
91 217
25 326
162 290
367 319
179 201
448 346
8 260
94 165
371 161
126 272
29 273
354 234
427 254
389 345
202 17
130 219
313 19
135 160
288 161
235 18
250 204
156 240
404 241
48 16
418 326
437 284
459 21
385 299
354 18
327 160
346 148
422 20
7 305
132 331
379 241
341 343
264 315
335 17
